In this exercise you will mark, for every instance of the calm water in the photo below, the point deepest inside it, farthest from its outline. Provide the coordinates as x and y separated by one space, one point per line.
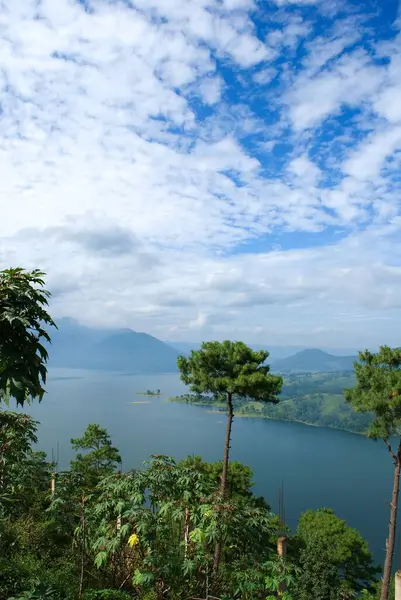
319 467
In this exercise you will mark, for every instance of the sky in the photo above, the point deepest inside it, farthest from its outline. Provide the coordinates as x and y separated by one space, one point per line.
207 169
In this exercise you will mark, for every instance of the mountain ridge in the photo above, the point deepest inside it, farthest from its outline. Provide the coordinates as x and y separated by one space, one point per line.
314 361
77 346
123 349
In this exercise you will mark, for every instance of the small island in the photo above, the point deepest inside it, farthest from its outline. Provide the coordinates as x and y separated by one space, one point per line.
150 393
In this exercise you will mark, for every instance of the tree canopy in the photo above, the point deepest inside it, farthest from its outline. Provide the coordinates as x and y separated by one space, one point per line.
100 457
23 318
378 391
230 368
346 549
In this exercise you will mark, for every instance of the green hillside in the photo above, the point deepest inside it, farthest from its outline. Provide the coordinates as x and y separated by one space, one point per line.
311 398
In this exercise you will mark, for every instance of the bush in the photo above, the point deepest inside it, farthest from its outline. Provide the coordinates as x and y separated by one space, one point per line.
106 595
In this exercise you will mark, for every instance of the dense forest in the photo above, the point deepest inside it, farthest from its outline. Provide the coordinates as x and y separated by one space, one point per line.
170 530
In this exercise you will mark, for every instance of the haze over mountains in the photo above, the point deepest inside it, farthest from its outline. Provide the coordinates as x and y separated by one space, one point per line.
125 350
77 346
314 361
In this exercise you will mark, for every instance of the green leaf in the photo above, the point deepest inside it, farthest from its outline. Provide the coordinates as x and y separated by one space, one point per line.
101 559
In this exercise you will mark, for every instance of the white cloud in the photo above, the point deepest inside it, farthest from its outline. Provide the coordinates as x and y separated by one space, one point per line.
368 159
143 207
210 89
290 34
388 104
208 296
305 170
351 81
265 75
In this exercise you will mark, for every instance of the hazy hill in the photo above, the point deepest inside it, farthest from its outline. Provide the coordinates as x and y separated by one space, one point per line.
133 352
276 352
313 361
76 346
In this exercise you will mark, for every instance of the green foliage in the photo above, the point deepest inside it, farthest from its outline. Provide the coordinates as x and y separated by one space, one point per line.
239 478
378 390
375 593
170 517
100 459
24 474
23 315
315 399
281 578
346 550
221 368
106 595
156 505
40 592
33 549
318 579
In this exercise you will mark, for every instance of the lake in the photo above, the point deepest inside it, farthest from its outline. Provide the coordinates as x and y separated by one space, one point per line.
319 467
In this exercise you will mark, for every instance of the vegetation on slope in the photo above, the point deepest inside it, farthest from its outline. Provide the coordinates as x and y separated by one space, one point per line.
314 399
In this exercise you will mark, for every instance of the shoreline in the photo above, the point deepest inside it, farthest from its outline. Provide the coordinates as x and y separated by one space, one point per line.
220 408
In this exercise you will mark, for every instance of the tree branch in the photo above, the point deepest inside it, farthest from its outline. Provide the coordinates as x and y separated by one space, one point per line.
390 450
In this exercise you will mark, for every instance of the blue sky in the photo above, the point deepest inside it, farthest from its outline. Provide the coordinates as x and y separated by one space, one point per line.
207 169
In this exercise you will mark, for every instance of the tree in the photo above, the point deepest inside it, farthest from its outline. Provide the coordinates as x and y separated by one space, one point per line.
23 315
347 552
229 369
239 478
378 391
24 474
318 579
101 459
169 523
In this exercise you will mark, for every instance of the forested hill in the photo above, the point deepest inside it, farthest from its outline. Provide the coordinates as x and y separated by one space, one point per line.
313 361
311 398
76 346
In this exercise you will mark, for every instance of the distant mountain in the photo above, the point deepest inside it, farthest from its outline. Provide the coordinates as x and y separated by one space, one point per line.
133 352
184 347
275 352
313 361
76 346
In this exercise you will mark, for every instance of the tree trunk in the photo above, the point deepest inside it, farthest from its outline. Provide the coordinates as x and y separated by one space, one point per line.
83 525
186 530
230 417
224 476
390 542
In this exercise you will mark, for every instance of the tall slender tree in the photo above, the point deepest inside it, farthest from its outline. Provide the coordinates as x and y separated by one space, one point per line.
23 318
230 370
378 390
